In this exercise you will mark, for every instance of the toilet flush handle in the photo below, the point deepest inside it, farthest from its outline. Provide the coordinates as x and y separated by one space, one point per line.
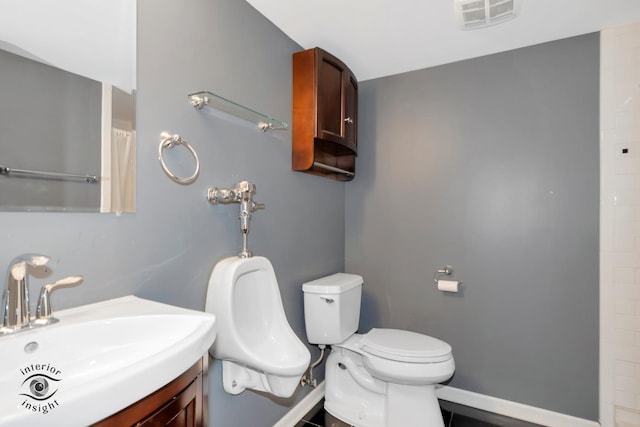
328 300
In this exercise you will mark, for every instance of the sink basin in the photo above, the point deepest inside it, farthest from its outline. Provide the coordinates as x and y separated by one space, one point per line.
97 360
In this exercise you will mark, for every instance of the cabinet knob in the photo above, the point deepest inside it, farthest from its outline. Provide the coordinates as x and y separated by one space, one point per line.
348 120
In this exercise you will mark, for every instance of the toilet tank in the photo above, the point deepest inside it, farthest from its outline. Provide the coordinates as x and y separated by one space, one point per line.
332 308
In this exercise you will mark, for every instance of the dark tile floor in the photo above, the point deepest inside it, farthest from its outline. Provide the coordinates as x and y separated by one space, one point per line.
454 415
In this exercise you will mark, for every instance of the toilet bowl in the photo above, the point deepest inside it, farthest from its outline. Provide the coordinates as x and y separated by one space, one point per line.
256 344
383 378
373 388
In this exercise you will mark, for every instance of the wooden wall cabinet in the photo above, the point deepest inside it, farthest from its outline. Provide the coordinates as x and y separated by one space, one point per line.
178 404
325 115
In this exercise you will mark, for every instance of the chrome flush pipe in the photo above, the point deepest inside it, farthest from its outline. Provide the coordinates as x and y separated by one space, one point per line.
243 194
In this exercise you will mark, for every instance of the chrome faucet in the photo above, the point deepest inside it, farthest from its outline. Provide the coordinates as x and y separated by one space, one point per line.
16 309
17 315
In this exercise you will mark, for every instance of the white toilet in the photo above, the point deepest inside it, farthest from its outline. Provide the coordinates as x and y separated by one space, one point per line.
258 348
384 378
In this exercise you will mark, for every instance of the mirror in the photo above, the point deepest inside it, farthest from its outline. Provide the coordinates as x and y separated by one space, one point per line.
67 110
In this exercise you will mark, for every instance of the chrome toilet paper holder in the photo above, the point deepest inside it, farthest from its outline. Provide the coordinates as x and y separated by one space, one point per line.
447 270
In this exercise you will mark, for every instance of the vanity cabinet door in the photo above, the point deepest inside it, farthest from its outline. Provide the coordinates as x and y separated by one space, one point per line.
181 411
178 404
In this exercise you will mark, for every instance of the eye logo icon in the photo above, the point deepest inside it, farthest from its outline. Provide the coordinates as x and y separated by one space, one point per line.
39 386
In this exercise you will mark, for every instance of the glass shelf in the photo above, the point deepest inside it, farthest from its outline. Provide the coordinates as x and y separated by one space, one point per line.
200 100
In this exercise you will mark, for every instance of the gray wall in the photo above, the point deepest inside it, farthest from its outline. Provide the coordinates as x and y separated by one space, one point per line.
490 165
50 121
167 249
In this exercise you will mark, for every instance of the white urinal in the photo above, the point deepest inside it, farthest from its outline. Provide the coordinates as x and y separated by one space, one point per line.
258 348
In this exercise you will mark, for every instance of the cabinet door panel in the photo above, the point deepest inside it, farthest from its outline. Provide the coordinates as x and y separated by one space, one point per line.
178 404
351 112
180 411
330 97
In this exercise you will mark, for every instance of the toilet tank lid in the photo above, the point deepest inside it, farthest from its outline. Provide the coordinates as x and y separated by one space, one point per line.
334 284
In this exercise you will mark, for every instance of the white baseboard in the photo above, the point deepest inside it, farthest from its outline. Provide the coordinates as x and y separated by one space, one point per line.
303 407
468 398
511 409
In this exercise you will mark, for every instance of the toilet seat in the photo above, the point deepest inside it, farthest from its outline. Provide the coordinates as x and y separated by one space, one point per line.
404 346
402 357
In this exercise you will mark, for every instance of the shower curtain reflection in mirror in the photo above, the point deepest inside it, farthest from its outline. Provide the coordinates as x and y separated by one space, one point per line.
123 149
118 192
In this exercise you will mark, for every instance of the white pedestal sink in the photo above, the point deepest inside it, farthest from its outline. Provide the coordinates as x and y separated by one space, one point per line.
97 360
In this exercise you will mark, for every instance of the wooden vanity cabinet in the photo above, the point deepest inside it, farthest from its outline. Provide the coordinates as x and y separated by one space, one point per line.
325 115
178 404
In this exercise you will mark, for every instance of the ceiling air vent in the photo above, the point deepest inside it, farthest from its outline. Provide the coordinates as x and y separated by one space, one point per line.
472 14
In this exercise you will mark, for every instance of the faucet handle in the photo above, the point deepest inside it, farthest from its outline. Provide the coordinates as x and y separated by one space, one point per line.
44 313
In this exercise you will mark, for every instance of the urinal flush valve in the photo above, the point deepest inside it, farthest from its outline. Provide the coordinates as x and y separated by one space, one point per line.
243 194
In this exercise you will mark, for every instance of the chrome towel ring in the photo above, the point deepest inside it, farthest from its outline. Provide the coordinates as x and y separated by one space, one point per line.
168 140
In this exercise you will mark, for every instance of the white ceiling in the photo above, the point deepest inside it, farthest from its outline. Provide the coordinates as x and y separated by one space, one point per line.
92 38
377 38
